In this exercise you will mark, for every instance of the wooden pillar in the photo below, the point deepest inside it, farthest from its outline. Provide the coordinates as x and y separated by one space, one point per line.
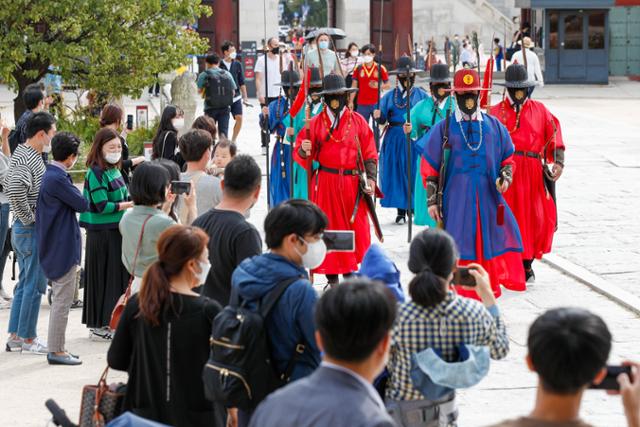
402 24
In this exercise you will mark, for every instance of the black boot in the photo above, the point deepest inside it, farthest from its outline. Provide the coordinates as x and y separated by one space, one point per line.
529 275
401 218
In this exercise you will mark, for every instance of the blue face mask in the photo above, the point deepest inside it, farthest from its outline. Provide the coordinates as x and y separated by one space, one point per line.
324 44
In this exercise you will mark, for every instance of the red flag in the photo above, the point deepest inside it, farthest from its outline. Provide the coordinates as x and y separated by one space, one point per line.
487 83
298 103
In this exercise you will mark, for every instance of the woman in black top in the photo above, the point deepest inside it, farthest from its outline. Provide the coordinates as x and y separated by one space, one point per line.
162 339
165 143
112 117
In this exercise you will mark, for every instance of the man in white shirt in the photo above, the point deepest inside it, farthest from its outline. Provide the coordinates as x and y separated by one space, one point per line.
353 328
532 63
277 63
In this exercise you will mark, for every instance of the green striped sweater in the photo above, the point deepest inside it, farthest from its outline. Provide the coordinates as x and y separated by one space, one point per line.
104 189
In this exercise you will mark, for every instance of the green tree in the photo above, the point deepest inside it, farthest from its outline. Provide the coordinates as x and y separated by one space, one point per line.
115 46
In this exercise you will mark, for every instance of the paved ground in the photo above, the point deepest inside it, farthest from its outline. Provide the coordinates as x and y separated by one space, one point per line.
597 199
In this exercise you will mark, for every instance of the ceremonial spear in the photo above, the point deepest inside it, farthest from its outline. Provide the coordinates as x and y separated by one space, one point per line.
408 138
265 128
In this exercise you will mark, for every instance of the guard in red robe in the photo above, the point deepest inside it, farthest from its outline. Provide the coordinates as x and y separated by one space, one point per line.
536 134
342 143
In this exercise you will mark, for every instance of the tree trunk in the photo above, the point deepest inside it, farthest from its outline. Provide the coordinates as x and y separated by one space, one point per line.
24 81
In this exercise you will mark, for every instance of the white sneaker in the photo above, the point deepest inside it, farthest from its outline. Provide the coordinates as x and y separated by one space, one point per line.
37 346
5 295
101 334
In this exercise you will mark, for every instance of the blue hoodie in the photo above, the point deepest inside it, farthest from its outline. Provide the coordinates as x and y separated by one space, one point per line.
376 265
291 320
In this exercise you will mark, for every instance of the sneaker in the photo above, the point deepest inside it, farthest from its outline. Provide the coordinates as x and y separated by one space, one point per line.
76 304
4 294
37 346
101 334
14 344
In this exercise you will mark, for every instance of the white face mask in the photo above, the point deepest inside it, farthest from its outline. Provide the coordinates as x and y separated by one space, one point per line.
355 53
315 254
178 123
205 267
368 58
112 158
233 55
47 148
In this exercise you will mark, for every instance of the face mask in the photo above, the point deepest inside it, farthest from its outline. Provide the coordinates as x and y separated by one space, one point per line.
205 267
316 252
178 123
368 59
112 158
439 91
518 95
293 93
403 81
275 50
233 55
47 148
324 44
355 53
335 103
468 103
73 164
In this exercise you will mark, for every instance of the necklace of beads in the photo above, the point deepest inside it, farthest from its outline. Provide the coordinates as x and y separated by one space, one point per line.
479 144
395 98
504 118
328 126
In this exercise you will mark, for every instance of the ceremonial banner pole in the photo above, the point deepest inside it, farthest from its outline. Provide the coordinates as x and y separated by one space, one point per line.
266 138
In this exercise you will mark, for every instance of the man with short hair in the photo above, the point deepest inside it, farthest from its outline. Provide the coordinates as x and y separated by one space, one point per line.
568 349
293 233
196 146
219 114
34 100
353 324
234 67
231 238
268 91
22 186
57 228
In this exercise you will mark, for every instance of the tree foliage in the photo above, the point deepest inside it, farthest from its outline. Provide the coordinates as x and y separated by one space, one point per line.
117 46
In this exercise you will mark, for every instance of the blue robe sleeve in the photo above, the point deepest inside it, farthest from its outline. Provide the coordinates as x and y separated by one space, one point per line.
432 140
384 106
508 149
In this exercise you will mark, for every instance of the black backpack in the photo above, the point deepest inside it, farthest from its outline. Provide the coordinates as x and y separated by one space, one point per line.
218 90
13 140
240 372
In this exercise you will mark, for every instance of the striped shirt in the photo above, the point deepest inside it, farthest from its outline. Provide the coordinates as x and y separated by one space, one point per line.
105 190
445 327
22 182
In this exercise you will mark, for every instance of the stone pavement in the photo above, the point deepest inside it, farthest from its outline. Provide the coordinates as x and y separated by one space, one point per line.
597 231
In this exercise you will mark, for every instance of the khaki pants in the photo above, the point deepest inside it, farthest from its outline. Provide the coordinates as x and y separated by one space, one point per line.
63 290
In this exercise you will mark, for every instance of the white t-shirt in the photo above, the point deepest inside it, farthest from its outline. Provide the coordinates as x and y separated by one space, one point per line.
273 73
533 65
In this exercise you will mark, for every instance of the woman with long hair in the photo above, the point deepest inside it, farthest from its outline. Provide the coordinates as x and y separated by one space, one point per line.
162 339
105 275
112 116
439 319
165 142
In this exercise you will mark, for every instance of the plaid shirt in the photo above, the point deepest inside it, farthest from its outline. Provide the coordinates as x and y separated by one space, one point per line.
454 321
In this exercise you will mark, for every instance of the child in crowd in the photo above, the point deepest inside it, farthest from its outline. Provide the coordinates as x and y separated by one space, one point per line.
223 152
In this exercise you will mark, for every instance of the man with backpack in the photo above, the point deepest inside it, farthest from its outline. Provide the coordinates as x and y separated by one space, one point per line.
274 285
217 87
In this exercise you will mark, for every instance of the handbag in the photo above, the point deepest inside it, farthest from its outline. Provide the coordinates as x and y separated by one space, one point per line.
100 403
124 298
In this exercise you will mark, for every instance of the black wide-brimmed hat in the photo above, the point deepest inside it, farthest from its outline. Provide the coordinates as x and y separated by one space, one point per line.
335 84
315 79
439 74
516 76
405 65
289 78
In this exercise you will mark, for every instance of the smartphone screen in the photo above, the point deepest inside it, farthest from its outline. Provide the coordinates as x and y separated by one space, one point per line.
339 241
180 187
129 121
462 277
610 382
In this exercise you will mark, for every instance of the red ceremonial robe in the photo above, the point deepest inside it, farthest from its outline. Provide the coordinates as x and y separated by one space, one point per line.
335 193
527 196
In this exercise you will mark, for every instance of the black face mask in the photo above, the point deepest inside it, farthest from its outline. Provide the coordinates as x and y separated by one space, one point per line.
335 103
275 50
440 91
467 102
518 96
313 97
403 81
293 92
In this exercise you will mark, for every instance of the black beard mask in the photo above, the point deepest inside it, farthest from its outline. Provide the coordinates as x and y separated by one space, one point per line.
439 91
293 93
335 103
403 81
313 97
518 96
467 102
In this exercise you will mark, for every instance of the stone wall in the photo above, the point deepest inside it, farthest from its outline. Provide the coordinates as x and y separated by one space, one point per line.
252 20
